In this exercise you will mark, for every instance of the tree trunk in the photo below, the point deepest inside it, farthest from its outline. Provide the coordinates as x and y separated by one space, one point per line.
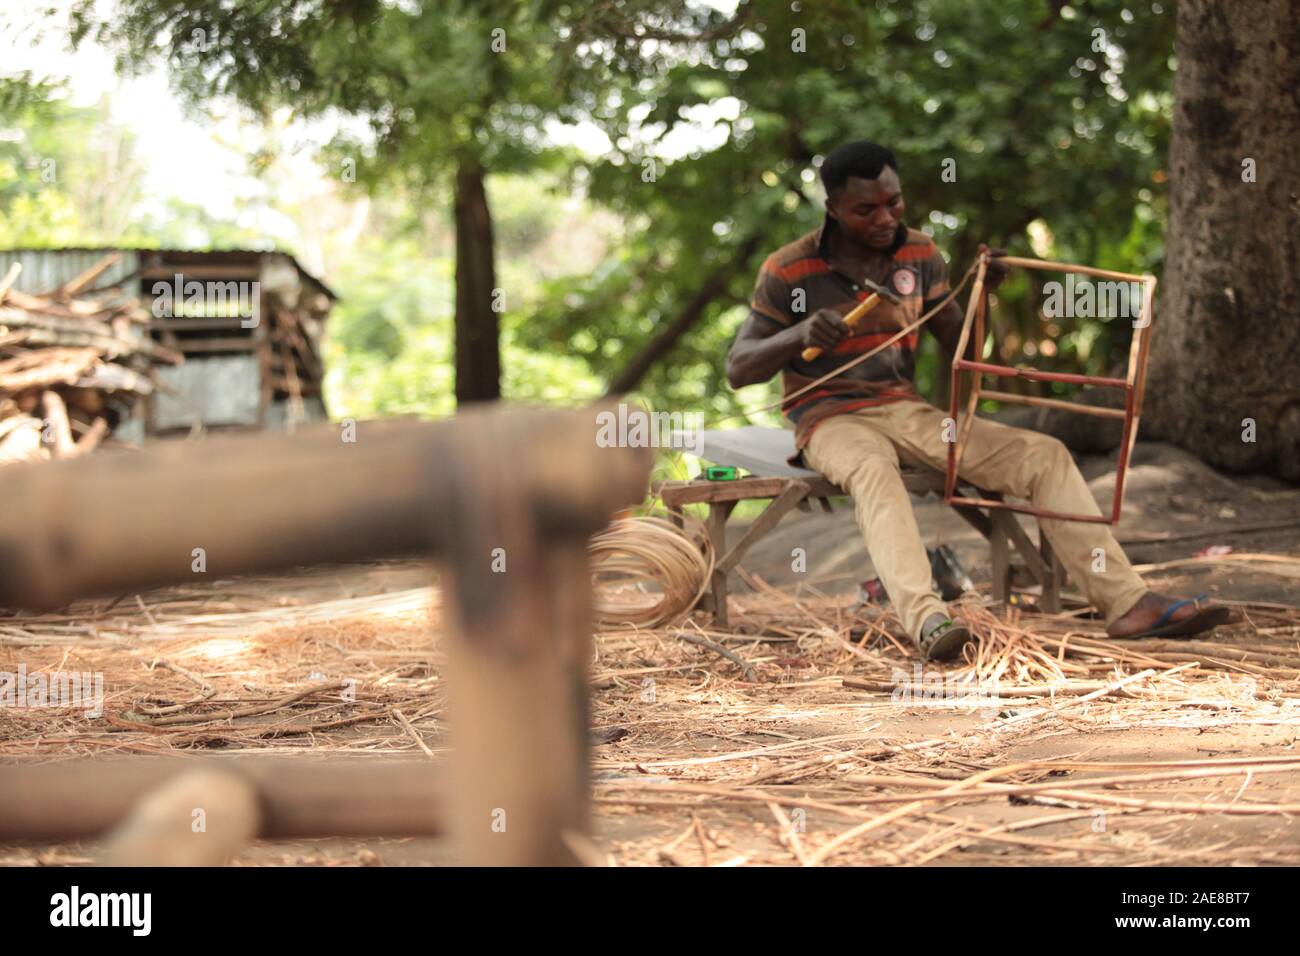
478 346
1226 339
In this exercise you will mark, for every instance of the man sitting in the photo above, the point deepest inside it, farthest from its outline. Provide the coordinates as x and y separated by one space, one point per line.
857 427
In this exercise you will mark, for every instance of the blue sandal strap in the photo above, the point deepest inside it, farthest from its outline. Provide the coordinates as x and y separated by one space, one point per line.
1168 614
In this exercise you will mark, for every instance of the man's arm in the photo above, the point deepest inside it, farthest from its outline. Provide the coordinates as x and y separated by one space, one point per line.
762 349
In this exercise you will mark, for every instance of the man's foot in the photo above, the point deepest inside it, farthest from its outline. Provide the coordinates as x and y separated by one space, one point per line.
942 638
1159 615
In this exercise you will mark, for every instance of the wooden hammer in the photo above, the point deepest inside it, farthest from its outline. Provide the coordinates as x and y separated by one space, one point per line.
878 292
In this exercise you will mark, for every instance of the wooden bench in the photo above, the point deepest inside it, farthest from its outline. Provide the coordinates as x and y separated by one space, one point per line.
788 492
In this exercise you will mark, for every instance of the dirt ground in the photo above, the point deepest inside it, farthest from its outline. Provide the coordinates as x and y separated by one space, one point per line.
1158 752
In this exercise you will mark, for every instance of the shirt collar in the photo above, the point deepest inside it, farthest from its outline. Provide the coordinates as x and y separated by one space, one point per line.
823 232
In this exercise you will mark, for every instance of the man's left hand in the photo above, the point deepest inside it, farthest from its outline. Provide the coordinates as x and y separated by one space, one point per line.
997 271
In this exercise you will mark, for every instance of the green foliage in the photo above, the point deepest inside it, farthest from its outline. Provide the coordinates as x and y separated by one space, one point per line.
389 345
1042 129
67 176
70 176
1056 133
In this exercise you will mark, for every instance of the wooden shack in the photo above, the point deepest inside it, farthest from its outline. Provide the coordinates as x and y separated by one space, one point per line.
248 322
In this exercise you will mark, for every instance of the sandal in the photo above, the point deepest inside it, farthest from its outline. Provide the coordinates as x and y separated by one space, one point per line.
945 641
1205 619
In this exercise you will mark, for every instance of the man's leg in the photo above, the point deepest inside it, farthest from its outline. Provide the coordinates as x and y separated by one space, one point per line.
853 454
1038 468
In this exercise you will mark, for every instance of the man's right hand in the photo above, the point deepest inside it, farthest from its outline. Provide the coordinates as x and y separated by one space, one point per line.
824 330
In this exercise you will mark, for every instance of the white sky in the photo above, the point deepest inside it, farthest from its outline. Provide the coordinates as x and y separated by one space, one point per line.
204 162
198 160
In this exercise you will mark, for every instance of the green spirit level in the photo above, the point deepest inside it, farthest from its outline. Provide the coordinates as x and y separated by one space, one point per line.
720 473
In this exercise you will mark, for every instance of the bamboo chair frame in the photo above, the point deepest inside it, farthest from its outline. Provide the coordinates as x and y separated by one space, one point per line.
1133 386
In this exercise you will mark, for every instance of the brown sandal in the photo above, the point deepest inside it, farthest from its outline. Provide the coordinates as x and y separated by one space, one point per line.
1203 620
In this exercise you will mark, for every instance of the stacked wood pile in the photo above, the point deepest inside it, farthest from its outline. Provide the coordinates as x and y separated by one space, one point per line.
72 365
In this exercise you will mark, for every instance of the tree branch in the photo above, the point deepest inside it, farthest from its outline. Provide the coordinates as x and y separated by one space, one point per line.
714 285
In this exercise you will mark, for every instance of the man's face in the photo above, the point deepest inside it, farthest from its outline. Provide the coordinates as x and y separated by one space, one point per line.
869 210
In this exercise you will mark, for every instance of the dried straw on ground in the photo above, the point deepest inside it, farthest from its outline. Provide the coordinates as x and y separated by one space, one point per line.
828 743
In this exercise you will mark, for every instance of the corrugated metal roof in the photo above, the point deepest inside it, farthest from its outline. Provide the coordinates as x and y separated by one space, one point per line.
46 269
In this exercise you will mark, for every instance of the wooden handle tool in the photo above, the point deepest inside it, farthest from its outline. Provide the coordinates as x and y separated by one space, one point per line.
851 320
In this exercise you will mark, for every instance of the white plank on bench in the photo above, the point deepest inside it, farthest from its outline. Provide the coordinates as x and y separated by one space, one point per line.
760 451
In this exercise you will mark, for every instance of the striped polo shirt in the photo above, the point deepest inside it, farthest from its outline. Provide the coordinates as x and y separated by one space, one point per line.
797 280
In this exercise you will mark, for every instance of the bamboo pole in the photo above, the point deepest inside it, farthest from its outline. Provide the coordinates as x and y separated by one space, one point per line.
518 645
298 798
1015 399
973 396
1043 264
1033 374
200 818
184 511
955 447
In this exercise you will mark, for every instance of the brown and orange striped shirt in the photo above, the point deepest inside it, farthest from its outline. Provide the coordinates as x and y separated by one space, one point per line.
797 280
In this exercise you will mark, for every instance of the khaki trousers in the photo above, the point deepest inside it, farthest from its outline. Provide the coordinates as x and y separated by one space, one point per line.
860 451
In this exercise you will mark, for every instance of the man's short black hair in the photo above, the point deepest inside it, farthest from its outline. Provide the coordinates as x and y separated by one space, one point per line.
861 158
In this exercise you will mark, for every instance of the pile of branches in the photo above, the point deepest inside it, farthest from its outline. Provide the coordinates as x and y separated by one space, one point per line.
72 365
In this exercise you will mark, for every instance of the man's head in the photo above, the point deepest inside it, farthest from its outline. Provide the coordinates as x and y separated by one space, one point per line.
863 192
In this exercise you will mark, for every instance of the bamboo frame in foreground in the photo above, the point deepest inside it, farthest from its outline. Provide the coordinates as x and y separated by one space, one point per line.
1133 386
535 484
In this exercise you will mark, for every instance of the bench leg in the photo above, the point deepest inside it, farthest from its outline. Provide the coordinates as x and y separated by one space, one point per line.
1000 560
719 512
1051 602
773 513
